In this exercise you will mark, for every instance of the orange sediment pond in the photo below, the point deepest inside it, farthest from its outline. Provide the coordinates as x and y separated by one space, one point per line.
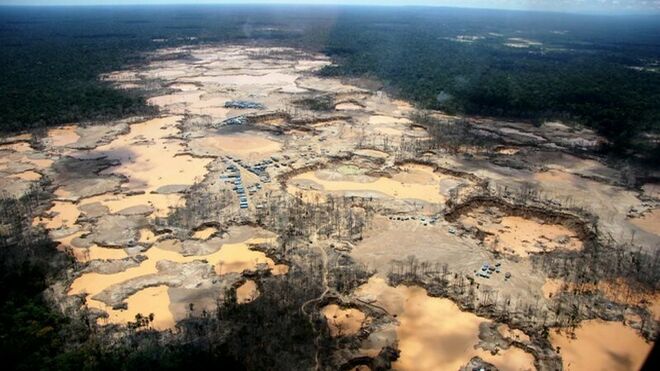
234 257
152 300
93 252
237 257
433 333
600 345
64 213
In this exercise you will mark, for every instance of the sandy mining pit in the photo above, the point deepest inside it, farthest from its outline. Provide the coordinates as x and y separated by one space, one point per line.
113 181
343 322
519 236
407 182
191 264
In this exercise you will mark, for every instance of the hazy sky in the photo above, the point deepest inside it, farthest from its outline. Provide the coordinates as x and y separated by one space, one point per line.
591 6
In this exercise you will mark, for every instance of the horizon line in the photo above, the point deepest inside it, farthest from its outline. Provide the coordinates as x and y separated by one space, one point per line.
636 12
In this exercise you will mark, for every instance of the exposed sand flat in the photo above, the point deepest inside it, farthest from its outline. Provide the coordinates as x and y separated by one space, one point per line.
347 107
427 339
246 145
385 186
518 42
183 86
205 233
610 203
276 79
20 157
18 137
247 292
418 174
40 163
165 73
343 322
20 147
279 269
600 345
149 159
326 84
395 132
650 222
392 126
311 65
30 176
185 97
387 120
507 151
389 240
209 105
521 236
62 136
162 203
371 153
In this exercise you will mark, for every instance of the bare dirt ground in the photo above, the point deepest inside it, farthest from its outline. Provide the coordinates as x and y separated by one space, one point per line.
234 126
